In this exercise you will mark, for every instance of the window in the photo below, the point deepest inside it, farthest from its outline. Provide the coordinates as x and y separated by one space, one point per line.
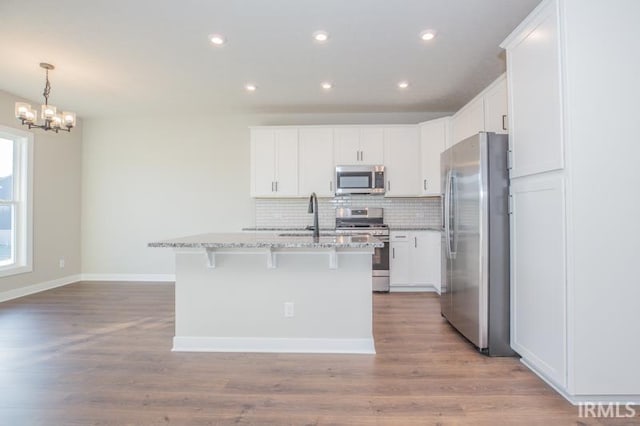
16 154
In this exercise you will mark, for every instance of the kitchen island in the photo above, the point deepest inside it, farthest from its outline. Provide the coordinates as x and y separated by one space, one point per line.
263 292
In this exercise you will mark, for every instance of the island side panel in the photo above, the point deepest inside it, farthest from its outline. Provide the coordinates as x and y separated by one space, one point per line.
239 304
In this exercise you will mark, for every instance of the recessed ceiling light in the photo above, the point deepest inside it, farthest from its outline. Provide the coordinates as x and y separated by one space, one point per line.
326 85
217 39
403 84
320 36
427 35
250 87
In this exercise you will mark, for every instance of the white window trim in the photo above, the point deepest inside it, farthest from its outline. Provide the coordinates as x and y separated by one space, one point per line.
23 187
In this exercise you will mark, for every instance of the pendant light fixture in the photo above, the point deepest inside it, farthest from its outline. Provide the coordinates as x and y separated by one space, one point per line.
51 120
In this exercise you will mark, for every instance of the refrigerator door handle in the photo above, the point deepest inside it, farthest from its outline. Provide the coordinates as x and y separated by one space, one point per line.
453 206
447 214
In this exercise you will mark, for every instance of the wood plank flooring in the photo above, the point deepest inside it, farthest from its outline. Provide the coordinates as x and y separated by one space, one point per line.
99 354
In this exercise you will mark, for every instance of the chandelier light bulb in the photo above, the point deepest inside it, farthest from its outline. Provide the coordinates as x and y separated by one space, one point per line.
52 120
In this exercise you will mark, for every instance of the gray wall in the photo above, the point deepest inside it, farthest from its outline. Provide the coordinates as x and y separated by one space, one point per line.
56 201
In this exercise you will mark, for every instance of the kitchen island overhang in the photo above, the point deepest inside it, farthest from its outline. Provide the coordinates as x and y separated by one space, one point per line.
257 292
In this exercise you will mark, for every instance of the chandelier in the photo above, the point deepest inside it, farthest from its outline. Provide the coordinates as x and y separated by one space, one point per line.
51 120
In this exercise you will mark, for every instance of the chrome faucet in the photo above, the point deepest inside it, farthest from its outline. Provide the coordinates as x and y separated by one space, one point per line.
313 208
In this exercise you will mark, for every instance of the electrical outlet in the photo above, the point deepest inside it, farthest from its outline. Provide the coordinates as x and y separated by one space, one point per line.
61 263
288 309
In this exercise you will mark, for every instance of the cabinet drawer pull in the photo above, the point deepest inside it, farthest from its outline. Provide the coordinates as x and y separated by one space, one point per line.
273 187
415 242
504 126
424 184
393 254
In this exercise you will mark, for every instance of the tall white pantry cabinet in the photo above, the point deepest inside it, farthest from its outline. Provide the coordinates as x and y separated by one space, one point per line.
573 71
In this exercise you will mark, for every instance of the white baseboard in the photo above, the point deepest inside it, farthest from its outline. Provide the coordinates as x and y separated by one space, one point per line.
278 345
37 288
583 399
413 289
129 277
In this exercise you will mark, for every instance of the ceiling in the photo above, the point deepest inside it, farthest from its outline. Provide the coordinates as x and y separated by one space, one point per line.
124 57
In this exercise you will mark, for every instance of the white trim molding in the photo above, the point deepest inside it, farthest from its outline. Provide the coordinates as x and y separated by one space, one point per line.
129 277
37 288
413 289
273 345
582 399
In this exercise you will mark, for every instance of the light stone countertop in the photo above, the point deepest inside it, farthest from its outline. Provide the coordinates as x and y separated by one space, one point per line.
415 228
285 239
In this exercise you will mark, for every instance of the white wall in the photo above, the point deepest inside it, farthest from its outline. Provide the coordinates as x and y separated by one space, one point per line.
56 202
153 178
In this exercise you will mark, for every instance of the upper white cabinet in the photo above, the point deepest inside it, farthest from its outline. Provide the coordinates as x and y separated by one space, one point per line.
433 141
316 167
274 162
468 121
496 107
289 161
534 81
573 96
359 145
402 161
487 112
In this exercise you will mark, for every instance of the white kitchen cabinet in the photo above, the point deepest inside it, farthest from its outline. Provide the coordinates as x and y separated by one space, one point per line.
575 292
496 107
534 68
359 145
399 259
415 260
487 112
469 120
402 161
274 162
316 168
433 141
538 300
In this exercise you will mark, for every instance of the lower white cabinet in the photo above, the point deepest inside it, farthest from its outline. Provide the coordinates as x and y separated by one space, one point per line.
538 290
415 259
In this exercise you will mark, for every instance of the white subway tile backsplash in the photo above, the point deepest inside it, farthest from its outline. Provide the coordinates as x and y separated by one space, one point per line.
398 212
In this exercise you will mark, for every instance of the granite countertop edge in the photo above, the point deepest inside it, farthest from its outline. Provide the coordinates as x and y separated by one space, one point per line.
254 240
415 228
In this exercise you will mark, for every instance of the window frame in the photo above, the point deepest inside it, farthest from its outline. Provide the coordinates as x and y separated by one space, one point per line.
22 200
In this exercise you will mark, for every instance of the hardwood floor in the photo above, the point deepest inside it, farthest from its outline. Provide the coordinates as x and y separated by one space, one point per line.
99 354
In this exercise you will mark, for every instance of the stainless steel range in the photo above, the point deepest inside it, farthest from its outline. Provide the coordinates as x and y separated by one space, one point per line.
354 221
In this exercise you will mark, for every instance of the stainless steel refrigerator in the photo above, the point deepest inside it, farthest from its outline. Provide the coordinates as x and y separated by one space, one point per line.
475 241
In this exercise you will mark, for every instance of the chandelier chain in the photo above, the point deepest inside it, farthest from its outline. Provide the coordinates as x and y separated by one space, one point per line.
47 89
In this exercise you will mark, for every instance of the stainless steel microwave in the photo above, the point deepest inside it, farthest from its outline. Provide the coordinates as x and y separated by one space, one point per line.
359 180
